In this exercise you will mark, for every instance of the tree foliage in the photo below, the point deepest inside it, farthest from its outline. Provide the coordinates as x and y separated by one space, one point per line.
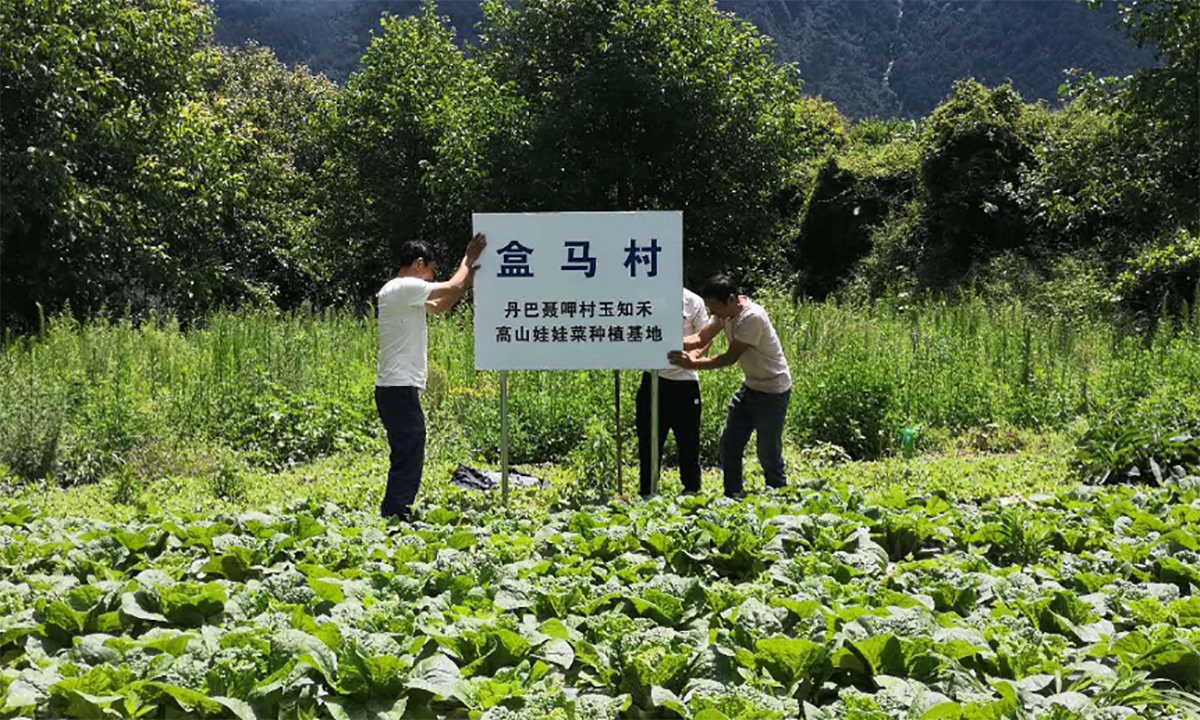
88 90
1120 169
146 168
874 176
230 187
652 104
1164 100
142 167
407 150
973 148
1110 183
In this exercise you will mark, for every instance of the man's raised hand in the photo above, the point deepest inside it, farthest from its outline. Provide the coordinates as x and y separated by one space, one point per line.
475 250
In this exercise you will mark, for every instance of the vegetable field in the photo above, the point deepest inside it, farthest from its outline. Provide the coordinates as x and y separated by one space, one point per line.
821 600
189 529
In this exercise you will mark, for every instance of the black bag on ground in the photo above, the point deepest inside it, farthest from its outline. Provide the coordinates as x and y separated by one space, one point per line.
471 478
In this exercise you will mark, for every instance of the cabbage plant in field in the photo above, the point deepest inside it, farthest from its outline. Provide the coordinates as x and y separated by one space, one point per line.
818 602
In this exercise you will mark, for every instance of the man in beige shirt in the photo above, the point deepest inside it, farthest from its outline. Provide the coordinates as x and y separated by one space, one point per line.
760 405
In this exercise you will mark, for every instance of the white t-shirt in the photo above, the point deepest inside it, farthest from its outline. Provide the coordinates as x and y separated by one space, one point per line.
764 363
403 334
695 317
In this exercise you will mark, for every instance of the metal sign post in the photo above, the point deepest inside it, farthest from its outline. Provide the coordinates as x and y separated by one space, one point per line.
620 447
654 444
504 435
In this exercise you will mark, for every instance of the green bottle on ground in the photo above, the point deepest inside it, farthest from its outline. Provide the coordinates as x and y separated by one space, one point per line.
908 441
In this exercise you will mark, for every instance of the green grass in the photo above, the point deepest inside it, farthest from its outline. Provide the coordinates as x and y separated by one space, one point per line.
278 390
356 481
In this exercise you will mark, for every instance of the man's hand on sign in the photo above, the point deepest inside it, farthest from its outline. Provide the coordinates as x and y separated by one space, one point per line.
693 361
445 294
475 251
681 359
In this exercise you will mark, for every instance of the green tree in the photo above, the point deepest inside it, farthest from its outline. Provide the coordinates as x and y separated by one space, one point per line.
144 168
407 144
227 192
1163 101
1119 170
650 104
973 149
1161 116
85 88
853 192
942 199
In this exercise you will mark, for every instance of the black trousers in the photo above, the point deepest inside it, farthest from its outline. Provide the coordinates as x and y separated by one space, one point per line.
400 411
678 410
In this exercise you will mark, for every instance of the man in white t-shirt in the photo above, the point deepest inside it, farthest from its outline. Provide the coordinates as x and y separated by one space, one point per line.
403 361
760 405
678 408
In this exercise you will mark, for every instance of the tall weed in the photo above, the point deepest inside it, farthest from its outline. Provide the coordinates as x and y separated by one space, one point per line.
289 387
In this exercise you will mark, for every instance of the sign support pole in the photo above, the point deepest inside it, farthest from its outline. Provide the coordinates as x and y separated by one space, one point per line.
504 435
654 444
620 446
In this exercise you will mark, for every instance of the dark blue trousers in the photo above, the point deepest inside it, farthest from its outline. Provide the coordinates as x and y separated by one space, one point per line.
400 411
763 414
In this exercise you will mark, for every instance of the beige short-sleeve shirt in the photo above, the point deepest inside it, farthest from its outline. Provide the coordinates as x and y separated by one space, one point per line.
764 363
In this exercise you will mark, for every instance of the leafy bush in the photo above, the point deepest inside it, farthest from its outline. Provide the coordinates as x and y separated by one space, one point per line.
112 421
165 456
851 404
1075 287
280 427
851 195
228 481
973 148
991 438
823 455
1117 452
890 268
127 484
1164 275
595 459
33 412
545 427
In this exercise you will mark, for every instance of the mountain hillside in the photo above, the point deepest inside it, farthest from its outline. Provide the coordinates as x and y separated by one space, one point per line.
888 58
900 57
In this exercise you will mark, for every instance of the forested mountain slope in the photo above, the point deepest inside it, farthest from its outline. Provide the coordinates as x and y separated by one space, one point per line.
883 58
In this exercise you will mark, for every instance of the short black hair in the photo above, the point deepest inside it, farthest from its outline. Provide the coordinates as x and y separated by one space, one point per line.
719 287
413 249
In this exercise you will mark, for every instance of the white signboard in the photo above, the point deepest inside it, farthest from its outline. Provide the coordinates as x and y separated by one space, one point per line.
579 291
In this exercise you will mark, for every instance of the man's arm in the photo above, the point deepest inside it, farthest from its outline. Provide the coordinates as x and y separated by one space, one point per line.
704 338
702 320
444 294
725 359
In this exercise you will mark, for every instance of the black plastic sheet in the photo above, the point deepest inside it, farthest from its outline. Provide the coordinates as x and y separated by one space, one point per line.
471 478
